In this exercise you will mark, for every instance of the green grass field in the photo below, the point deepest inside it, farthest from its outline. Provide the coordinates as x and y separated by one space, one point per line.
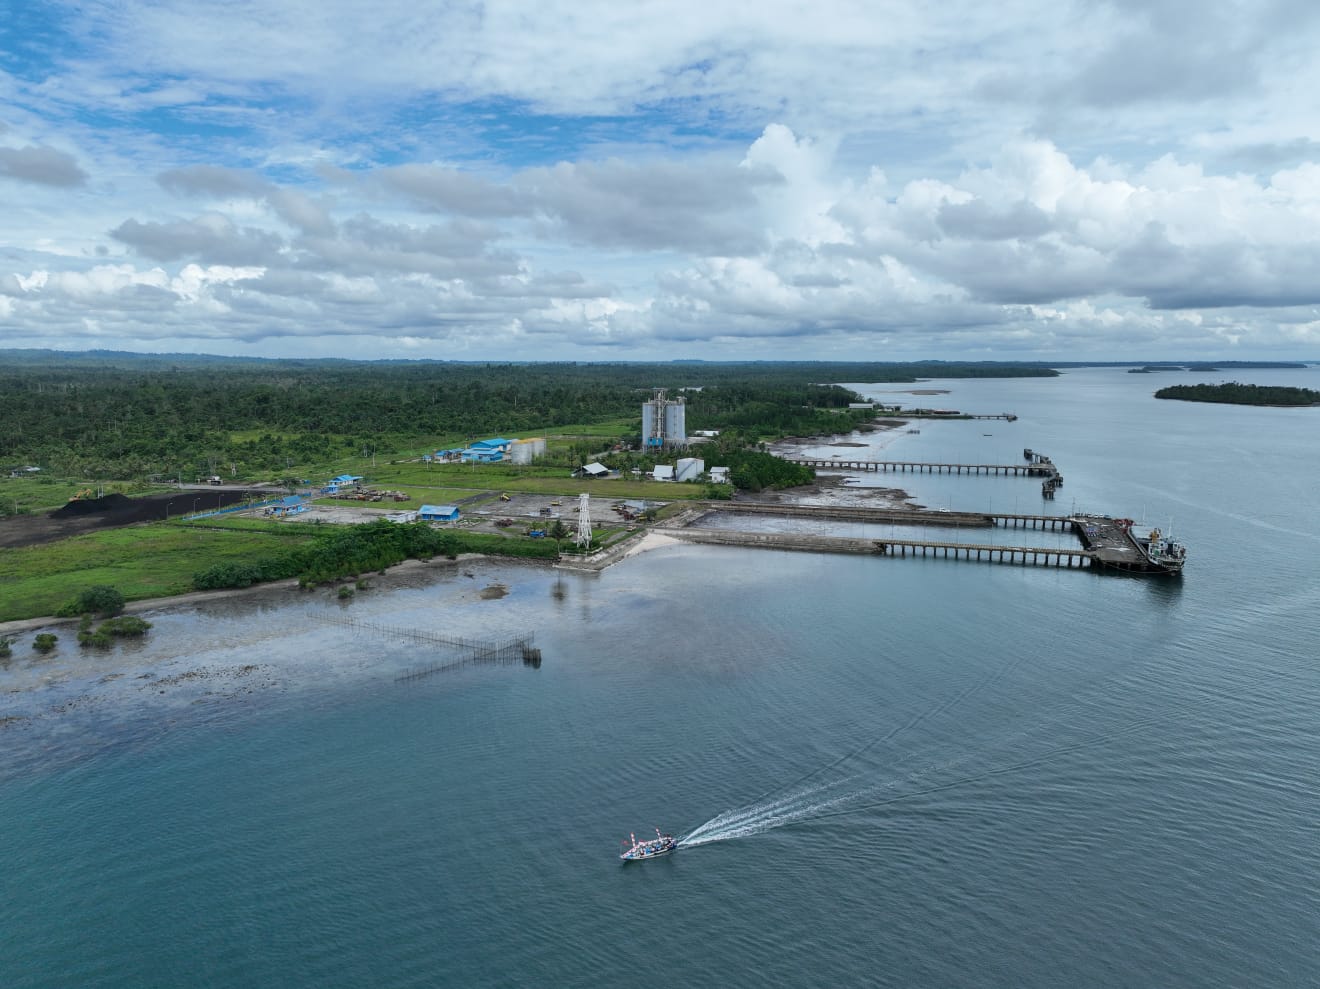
463 480
141 561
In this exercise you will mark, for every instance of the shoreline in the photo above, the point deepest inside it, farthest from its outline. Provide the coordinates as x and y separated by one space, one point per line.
628 547
186 663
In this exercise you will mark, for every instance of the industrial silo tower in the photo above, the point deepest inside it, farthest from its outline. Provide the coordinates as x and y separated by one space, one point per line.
664 421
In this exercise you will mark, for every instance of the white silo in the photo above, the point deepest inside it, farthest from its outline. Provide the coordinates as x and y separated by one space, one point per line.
664 421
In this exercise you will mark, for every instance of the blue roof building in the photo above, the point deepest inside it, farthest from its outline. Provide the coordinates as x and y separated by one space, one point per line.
438 513
482 455
288 505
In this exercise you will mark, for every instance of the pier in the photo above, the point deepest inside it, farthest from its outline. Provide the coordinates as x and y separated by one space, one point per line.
893 411
1042 469
888 516
1020 555
850 513
1106 543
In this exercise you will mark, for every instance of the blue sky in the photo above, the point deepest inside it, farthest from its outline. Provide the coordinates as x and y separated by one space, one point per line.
582 181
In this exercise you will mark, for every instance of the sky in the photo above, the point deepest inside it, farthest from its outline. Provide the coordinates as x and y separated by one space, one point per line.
582 181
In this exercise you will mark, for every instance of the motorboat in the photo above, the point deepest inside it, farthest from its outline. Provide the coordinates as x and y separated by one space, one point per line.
648 848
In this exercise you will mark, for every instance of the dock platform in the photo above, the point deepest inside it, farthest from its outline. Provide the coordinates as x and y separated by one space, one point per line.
1106 543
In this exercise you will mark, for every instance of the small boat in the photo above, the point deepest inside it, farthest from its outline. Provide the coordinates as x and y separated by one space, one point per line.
637 851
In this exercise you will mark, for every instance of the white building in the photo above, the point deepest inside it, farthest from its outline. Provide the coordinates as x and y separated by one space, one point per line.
662 472
719 475
689 469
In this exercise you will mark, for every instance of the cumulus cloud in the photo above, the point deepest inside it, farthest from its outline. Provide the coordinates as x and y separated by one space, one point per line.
776 243
210 237
212 180
294 207
43 166
435 187
977 178
709 207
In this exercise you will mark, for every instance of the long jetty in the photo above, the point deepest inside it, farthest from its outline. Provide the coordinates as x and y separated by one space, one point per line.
1106 542
1037 465
1038 469
888 516
1021 555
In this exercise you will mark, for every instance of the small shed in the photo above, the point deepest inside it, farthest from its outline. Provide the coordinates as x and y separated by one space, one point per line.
592 470
438 513
719 475
663 472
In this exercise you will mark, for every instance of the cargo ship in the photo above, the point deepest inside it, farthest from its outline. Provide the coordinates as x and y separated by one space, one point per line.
1115 545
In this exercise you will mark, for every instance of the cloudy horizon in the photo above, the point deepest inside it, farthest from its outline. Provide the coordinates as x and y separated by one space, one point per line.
838 181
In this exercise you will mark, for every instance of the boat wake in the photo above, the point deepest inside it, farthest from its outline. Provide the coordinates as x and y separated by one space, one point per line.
815 795
852 794
805 804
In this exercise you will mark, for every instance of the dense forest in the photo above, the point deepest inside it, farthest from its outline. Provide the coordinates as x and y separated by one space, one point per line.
1234 393
133 416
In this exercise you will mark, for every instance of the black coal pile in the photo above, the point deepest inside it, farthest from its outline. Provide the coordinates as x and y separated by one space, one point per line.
94 506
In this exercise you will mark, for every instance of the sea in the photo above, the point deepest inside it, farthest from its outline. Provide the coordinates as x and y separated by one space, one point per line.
883 772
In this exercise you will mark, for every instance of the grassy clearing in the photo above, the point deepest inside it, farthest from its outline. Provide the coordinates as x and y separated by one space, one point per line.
501 545
464 480
141 561
609 429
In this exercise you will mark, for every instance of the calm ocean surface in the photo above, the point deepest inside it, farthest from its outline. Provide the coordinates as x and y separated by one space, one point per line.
894 772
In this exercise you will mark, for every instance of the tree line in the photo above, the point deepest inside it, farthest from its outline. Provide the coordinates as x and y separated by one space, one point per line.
133 416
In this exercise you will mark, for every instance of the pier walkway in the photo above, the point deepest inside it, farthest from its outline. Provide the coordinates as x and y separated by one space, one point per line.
920 467
1020 555
890 516
1105 542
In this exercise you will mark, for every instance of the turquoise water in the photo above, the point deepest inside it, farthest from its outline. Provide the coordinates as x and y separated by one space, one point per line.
893 772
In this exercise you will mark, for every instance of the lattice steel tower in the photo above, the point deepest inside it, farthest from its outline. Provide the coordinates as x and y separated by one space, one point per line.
584 520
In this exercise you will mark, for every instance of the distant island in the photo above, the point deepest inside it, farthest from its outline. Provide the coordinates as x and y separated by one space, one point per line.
1233 393
1239 365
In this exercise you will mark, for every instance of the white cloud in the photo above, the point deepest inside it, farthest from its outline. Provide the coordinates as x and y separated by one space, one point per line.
783 179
